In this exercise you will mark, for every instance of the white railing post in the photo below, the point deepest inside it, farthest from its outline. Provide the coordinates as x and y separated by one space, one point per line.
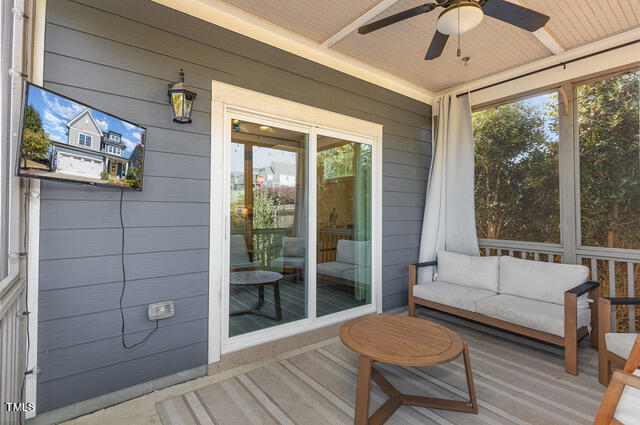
12 349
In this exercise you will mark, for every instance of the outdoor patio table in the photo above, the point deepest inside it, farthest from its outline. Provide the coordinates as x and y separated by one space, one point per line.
258 278
404 341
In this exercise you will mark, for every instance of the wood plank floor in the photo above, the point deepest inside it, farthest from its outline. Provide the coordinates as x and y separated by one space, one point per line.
331 298
518 381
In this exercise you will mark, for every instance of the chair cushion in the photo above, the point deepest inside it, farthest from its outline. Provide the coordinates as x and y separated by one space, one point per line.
466 270
542 316
334 268
539 280
628 410
244 266
239 253
620 344
282 262
452 295
353 252
359 274
293 246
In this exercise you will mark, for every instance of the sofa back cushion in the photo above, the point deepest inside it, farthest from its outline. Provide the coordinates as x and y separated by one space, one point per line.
349 251
539 280
467 270
293 246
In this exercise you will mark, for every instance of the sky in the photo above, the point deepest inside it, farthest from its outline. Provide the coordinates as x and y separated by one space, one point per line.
262 157
56 112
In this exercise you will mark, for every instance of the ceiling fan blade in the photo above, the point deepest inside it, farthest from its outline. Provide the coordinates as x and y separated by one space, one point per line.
409 13
437 45
514 14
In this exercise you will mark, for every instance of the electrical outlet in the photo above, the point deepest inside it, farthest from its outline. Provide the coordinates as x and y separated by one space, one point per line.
161 310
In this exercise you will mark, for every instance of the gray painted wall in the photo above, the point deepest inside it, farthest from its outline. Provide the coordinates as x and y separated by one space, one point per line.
119 56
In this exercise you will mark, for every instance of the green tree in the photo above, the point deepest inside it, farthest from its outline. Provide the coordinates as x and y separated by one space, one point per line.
609 143
516 173
265 209
35 145
35 142
32 119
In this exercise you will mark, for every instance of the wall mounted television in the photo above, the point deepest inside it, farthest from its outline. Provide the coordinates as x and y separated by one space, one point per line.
66 140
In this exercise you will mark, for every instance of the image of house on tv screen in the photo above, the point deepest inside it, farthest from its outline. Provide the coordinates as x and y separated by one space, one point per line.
65 140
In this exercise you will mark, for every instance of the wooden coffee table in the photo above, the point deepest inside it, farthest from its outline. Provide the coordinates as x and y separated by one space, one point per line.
258 278
404 341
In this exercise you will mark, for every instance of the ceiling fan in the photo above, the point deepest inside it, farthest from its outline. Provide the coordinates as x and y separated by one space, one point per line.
460 16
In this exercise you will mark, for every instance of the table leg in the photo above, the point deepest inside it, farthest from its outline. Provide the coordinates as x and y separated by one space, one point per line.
276 299
362 391
260 297
470 386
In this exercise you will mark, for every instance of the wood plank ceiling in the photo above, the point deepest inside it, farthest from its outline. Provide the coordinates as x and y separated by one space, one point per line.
493 46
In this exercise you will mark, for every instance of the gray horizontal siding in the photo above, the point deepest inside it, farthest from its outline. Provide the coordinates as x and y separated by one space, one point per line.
119 56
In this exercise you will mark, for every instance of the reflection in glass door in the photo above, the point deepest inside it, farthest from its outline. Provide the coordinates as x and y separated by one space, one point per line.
268 227
343 278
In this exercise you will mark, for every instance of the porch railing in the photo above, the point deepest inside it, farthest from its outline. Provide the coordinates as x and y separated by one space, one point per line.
618 271
12 347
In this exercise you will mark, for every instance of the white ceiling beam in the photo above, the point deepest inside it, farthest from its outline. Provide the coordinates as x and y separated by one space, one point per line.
544 35
371 13
233 19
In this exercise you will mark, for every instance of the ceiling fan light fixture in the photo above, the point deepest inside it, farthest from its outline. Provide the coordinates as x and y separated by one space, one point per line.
460 17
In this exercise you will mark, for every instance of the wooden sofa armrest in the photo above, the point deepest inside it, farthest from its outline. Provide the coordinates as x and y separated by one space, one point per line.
413 270
583 288
571 322
623 300
425 264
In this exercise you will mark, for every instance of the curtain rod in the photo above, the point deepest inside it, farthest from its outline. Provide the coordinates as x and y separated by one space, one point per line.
563 64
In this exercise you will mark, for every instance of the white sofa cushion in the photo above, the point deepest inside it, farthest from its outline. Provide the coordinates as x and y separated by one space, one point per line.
293 246
359 274
281 262
628 410
467 270
347 252
539 280
334 268
620 344
539 315
452 295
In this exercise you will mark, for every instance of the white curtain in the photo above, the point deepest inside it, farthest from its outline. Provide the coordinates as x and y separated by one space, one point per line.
449 214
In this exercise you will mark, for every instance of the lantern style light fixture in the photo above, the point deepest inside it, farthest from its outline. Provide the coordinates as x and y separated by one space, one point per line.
181 97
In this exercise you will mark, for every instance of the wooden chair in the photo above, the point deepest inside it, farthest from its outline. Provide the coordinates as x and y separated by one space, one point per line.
619 344
621 402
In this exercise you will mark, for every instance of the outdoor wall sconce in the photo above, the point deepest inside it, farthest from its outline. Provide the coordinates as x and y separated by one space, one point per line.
181 97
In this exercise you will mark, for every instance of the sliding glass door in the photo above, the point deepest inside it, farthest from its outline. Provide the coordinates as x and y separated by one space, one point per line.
343 224
269 225
295 219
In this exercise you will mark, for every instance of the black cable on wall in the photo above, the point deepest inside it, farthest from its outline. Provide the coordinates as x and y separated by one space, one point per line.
124 286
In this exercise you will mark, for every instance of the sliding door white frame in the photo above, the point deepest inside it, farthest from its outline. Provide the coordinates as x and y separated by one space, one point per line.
230 102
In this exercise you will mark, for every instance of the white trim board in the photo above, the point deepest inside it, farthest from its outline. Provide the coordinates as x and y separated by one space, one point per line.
235 20
234 102
33 258
374 11
600 63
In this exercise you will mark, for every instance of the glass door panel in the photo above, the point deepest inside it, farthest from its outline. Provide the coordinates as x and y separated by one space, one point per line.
343 277
269 225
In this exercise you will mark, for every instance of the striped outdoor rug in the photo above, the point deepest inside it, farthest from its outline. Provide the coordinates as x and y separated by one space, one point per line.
518 381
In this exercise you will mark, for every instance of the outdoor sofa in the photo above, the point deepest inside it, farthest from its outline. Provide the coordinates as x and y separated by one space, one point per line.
542 300
347 266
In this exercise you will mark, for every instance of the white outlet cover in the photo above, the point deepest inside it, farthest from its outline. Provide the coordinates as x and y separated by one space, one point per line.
161 310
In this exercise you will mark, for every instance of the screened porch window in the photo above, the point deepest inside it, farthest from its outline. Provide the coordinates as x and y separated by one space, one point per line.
516 170
609 152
